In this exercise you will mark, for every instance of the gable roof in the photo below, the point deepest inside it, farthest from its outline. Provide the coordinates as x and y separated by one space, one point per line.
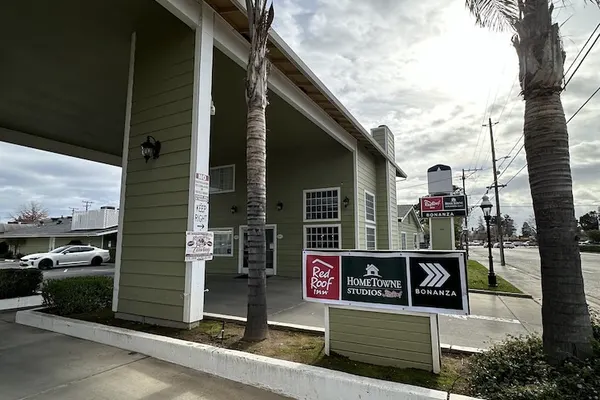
404 210
53 227
288 62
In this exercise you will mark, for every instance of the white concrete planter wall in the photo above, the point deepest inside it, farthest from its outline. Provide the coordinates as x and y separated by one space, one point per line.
21 302
291 379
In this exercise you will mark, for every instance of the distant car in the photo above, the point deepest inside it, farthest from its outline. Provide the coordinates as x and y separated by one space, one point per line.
509 245
496 245
66 256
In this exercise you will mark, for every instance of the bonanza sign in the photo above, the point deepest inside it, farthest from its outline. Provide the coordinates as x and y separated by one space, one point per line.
444 206
423 281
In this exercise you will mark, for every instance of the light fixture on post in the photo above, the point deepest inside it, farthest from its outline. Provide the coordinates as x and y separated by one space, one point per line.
279 206
233 209
486 207
346 202
150 148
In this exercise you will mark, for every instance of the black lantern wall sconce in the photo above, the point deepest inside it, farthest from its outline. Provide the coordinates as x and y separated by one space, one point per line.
150 148
346 202
233 209
279 206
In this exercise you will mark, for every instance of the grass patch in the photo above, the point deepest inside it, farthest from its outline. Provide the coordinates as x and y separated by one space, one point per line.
305 348
478 279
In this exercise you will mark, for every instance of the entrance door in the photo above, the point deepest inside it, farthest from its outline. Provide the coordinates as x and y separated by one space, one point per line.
271 236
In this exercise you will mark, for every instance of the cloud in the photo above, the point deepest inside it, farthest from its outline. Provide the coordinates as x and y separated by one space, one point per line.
422 68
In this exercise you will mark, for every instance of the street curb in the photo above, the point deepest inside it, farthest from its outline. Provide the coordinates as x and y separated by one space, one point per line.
448 348
21 302
286 378
496 293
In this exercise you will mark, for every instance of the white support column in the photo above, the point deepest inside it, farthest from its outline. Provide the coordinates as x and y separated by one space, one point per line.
128 105
193 305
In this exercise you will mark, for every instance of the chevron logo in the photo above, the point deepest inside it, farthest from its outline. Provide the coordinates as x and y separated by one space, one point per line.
436 275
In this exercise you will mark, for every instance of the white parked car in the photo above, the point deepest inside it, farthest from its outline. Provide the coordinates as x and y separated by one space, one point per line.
509 245
66 256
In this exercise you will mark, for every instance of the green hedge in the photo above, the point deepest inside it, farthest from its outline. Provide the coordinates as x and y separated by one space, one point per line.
17 282
78 295
517 370
590 249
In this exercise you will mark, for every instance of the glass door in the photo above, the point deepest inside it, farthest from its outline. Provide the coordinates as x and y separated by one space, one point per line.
270 234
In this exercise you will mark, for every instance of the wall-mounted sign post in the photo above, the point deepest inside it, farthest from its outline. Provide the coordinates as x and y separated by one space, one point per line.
381 307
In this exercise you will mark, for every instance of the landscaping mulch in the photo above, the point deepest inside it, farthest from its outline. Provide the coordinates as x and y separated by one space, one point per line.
301 347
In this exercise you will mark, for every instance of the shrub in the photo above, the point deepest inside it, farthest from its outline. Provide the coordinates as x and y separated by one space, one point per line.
17 282
3 248
516 370
78 295
589 248
18 256
8 255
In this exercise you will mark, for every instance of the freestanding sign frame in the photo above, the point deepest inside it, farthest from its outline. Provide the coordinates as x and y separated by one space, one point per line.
415 283
420 281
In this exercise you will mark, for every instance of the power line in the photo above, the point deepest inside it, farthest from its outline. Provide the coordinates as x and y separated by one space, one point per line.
583 105
515 175
588 51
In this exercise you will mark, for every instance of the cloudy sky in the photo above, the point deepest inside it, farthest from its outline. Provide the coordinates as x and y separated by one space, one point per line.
422 68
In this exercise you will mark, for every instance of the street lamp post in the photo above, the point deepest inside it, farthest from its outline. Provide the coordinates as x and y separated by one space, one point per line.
486 207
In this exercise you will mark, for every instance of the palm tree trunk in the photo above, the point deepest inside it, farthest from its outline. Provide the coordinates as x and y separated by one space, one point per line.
566 320
256 169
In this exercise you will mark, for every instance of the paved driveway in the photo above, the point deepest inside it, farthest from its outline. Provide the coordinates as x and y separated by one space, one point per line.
523 270
41 365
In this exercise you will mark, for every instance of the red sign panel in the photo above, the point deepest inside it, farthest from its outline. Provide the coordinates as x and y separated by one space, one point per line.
432 203
323 274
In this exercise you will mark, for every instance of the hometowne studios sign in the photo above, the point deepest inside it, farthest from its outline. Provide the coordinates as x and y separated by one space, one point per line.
419 281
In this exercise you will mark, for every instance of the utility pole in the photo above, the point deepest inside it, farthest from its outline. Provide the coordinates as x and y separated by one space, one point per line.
495 186
87 204
73 209
466 231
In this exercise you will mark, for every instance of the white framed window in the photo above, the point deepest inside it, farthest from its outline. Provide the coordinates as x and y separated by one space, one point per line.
416 240
371 237
369 207
223 242
222 179
323 236
403 240
322 205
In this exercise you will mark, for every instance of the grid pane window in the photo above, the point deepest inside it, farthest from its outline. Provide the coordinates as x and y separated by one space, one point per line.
403 240
371 241
416 240
223 244
321 205
369 207
322 237
222 179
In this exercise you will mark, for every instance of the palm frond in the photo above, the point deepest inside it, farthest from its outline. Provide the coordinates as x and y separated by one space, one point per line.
496 14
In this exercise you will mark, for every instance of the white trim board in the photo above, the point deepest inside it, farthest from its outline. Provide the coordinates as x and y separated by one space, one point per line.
193 296
54 146
126 131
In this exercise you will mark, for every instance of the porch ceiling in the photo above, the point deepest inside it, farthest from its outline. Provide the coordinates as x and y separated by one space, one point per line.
64 68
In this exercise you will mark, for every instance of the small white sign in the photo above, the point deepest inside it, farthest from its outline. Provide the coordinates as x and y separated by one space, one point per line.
202 187
200 216
199 246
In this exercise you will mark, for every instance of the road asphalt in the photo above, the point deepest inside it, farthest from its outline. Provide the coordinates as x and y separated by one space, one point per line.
42 365
523 270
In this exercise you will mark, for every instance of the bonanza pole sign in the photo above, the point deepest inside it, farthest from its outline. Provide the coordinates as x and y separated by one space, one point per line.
444 206
423 281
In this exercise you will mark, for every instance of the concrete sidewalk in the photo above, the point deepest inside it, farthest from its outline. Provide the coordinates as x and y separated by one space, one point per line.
492 317
41 365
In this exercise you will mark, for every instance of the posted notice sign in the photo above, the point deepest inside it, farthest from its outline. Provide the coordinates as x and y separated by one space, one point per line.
199 246
422 281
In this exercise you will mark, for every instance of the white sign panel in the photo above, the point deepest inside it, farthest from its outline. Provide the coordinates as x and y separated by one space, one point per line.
200 216
202 187
199 246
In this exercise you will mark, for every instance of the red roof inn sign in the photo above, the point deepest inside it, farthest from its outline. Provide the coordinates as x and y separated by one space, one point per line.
443 206
420 281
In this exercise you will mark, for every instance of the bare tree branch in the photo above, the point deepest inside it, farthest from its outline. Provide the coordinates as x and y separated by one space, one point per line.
30 213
